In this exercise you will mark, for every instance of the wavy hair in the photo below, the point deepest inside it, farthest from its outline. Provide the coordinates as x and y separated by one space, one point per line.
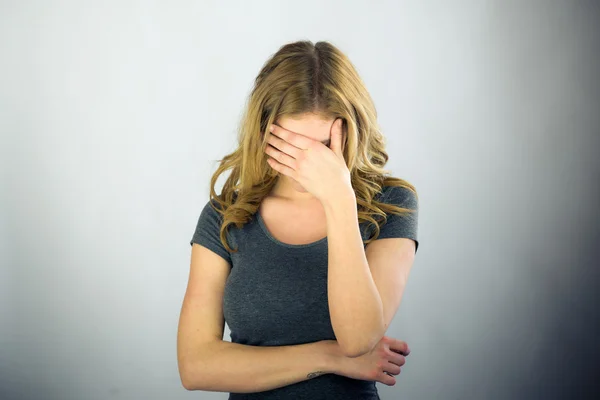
302 77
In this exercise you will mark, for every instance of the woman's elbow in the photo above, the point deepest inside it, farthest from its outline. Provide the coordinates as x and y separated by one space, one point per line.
189 380
186 382
355 349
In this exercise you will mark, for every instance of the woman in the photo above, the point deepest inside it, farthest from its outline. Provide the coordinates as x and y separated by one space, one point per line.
306 251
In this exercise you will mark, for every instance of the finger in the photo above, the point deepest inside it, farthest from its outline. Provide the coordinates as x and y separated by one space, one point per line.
386 379
336 137
298 142
281 157
284 146
400 346
397 358
392 368
281 168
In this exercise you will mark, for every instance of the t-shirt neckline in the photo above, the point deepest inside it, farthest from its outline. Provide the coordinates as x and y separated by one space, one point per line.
265 230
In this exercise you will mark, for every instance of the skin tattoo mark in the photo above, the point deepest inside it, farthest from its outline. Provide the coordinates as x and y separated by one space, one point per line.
315 374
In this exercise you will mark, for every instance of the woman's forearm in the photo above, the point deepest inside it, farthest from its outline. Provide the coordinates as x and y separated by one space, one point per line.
232 367
355 303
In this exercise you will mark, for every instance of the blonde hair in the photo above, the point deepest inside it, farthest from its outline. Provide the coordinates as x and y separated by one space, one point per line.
302 77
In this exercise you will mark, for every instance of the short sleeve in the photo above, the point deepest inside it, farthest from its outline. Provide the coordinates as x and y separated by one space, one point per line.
397 226
207 231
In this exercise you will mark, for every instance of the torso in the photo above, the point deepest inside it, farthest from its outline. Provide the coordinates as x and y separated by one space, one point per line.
292 223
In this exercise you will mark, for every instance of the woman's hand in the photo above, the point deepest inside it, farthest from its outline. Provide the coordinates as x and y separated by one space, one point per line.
320 169
387 356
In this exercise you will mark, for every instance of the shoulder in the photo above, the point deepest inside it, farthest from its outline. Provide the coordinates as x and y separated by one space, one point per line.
214 210
405 197
209 211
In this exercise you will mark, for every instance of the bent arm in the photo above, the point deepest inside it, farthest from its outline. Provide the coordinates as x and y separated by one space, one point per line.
223 366
355 303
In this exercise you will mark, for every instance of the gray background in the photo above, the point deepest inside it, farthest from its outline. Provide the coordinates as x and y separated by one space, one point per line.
113 115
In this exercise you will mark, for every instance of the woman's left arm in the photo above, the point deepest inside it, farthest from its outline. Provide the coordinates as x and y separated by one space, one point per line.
365 286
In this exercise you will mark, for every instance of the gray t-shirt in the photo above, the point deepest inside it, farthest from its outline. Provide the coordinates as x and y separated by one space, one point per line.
276 293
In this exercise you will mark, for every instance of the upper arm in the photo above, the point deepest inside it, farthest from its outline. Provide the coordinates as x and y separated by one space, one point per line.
391 255
201 319
390 261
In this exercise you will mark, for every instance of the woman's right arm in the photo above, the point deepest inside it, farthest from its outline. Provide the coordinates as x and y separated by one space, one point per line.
206 362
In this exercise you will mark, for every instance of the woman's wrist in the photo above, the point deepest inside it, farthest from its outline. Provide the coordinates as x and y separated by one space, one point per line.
333 357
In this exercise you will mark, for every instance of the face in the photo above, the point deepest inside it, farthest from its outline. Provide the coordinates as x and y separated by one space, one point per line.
310 125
